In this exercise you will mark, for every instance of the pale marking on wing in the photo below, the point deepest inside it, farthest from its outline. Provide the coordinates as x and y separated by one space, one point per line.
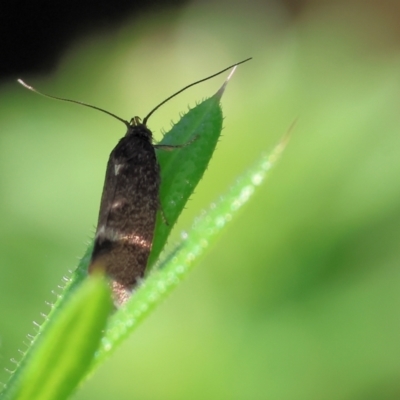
114 236
100 231
117 168
118 203
136 239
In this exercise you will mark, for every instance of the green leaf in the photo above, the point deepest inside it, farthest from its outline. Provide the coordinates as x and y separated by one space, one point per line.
63 352
182 168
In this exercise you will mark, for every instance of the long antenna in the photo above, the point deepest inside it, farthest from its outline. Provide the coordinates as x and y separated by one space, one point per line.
115 116
188 86
72 101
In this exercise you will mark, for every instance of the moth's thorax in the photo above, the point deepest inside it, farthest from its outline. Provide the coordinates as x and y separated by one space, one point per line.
135 148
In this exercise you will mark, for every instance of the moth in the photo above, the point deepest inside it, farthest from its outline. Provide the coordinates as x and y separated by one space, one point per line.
130 201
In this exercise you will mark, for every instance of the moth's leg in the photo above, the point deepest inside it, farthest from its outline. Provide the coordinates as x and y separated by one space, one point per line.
169 147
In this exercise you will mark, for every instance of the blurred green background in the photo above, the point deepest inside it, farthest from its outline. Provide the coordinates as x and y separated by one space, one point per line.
300 298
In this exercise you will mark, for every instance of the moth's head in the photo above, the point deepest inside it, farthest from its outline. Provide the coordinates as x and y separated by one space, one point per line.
136 121
138 128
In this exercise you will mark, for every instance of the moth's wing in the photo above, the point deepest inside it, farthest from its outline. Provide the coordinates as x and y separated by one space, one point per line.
111 182
127 214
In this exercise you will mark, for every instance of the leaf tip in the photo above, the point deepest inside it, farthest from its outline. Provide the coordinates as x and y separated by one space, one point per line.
221 91
283 141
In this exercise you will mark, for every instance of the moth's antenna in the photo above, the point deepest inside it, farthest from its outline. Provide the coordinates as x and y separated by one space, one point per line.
25 85
72 101
188 86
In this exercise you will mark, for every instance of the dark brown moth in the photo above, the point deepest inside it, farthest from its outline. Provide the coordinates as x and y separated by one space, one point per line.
129 203
128 211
